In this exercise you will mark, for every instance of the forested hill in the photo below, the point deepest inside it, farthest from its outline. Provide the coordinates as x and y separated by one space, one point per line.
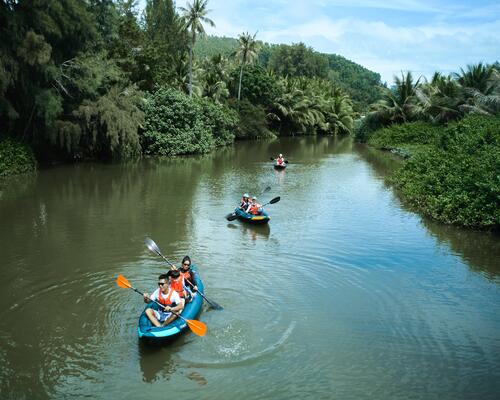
361 83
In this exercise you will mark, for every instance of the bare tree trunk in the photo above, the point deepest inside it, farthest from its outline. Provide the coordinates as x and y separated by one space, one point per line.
190 71
239 86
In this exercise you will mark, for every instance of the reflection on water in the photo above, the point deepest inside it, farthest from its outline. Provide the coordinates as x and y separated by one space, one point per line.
156 360
251 232
481 250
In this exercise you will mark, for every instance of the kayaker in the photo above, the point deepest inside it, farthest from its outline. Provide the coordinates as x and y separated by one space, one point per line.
245 201
280 160
254 207
168 298
177 283
189 277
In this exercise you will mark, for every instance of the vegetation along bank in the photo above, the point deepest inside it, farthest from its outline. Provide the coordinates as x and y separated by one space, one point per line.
448 129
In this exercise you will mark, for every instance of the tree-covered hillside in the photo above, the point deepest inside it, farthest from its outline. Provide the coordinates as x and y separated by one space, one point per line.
299 60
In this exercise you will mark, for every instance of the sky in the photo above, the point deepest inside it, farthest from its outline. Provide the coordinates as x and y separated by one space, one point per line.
387 37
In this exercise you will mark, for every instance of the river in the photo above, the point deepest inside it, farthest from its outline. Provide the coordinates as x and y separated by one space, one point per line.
346 294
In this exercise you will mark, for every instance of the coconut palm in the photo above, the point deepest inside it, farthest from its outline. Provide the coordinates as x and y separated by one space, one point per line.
440 99
246 52
481 84
215 77
194 16
398 104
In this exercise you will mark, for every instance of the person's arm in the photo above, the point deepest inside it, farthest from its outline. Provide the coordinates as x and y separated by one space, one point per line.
192 281
178 301
153 297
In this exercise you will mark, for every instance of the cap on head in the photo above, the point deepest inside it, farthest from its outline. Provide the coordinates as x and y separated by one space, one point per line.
281 155
254 198
246 195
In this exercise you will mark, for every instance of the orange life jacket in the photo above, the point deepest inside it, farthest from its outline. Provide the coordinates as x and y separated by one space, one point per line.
178 285
165 301
254 209
186 276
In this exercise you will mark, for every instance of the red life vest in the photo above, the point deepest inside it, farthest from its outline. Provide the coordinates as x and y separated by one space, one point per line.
254 209
178 285
280 161
165 301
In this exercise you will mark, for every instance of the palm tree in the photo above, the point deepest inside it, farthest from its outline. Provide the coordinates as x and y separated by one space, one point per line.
215 77
481 84
441 99
194 16
398 104
247 52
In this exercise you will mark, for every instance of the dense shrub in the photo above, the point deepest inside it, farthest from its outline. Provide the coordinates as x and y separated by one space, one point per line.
364 127
410 133
177 124
257 86
253 121
221 120
457 179
15 158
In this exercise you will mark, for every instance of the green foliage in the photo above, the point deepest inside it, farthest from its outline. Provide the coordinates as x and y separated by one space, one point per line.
298 60
176 124
252 121
220 120
456 178
409 133
257 85
310 106
360 83
209 46
15 158
443 99
110 124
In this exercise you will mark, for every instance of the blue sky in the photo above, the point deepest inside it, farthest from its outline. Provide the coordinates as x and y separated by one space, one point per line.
385 36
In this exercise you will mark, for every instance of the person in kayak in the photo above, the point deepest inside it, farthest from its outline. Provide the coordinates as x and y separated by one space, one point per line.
245 201
189 278
168 298
254 207
177 283
280 160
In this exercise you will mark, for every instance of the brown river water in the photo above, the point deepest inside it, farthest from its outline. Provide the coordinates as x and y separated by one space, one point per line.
346 294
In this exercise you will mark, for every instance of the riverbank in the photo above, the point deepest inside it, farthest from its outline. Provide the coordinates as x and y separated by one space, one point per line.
451 173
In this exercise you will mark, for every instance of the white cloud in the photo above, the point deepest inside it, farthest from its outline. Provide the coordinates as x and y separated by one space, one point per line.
452 34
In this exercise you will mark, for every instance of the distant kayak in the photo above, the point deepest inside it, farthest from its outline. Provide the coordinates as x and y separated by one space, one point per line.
251 218
146 330
279 166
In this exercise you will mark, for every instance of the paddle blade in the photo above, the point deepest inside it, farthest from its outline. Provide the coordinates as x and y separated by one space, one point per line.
286 161
231 217
198 327
275 200
123 282
215 305
212 303
272 159
152 245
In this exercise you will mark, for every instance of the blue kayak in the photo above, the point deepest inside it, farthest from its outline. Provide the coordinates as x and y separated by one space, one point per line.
146 330
252 219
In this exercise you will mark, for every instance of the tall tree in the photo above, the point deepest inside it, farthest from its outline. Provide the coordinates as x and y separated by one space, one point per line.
246 52
398 104
194 16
